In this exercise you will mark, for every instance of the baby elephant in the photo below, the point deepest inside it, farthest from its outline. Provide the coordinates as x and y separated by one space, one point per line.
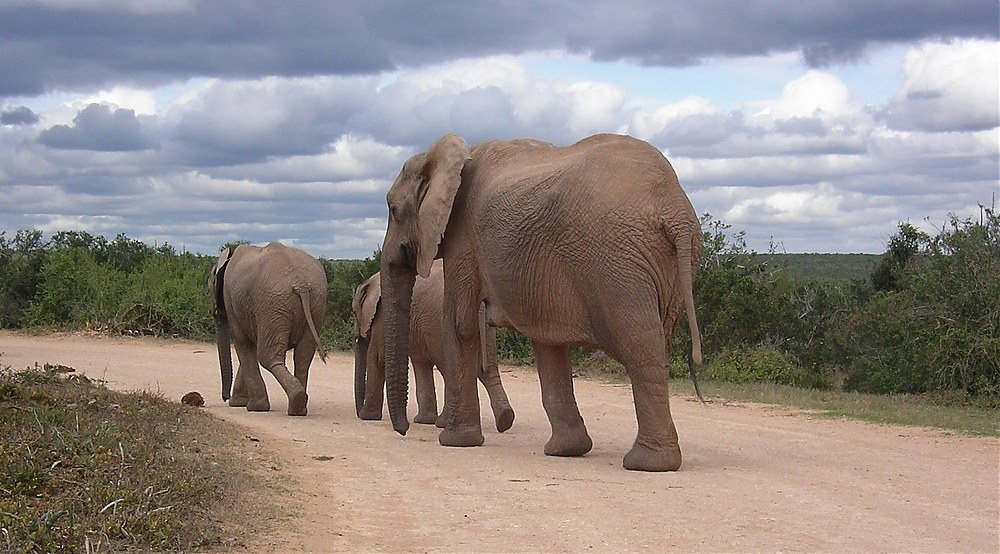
426 351
267 300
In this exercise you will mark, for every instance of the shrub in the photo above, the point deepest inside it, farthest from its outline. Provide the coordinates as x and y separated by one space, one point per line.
75 290
21 261
762 364
514 348
938 325
167 294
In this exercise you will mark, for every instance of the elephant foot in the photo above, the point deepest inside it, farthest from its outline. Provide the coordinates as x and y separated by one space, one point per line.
297 404
370 414
426 417
238 401
642 458
504 418
569 443
258 405
462 436
442 421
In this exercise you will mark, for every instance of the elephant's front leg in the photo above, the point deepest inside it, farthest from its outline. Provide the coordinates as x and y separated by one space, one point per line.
461 341
555 374
371 410
248 387
426 395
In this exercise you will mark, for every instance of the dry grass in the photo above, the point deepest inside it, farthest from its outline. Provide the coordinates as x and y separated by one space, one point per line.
87 469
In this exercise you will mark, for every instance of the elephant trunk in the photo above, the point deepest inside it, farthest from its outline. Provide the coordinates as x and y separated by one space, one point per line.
397 293
360 372
223 340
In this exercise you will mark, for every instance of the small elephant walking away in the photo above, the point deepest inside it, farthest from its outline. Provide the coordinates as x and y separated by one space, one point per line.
426 352
266 301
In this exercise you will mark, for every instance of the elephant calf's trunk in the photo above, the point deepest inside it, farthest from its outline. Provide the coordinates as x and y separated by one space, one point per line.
360 373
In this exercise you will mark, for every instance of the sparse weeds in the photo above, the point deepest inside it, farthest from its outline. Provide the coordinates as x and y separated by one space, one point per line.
86 469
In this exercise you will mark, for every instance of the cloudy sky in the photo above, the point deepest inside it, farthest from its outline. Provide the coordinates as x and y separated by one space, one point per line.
817 126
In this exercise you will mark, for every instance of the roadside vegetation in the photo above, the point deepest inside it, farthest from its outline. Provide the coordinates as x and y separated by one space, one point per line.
923 320
86 469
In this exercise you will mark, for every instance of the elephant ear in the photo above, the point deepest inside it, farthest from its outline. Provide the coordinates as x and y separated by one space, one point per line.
217 283
442 175
221 262
365 304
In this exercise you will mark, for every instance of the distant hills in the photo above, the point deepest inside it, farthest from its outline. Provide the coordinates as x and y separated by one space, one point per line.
823 267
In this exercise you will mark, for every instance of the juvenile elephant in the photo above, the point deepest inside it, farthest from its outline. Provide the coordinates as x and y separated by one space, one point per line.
267 300
426 352
593 244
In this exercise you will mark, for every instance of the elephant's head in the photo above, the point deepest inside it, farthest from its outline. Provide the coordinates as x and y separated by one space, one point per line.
420 203
364 305
223 332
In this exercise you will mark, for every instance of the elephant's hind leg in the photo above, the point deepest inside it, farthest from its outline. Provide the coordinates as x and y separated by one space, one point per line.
297 398
302 358
423 374
248 388
503 414
555 374
656 447
489 376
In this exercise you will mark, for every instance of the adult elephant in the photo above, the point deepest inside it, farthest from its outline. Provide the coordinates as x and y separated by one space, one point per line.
426 352
593 244
267 300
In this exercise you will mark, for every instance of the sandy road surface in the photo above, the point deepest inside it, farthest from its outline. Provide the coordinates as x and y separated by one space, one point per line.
754 478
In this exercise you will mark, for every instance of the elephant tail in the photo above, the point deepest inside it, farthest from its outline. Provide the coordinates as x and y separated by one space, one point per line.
303 292
687 260
686 266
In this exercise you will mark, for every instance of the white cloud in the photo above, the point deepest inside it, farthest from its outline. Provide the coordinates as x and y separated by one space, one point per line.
310 158
648 123
139 100
595 107
948 87
348 158
814 95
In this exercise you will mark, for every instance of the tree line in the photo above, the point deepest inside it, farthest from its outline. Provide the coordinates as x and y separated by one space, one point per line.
926 319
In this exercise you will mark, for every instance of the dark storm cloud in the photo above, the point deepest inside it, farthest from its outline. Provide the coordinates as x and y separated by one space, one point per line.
18 115
46 48
677 34
98 127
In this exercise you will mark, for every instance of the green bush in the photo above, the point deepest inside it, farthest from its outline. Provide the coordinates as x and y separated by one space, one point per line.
168 294
762 364
75 291
927 320
514 348
937 327
21 261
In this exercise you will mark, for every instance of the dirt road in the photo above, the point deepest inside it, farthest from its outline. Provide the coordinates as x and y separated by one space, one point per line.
754 478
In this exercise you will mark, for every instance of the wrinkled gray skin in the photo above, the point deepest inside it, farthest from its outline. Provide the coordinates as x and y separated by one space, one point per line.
594 244
426 352
266 301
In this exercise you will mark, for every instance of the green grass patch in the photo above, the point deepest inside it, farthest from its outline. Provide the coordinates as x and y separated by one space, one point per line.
943 411
87 469
897 409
